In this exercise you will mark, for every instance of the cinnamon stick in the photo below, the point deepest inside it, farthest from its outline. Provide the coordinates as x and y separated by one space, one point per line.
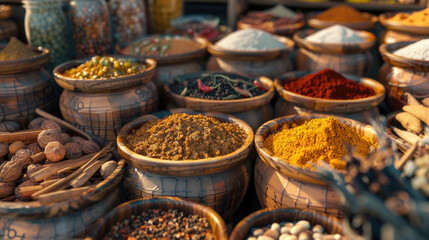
89 171
62 123
49 182
38 157
62 195
408 154
28 190
23 135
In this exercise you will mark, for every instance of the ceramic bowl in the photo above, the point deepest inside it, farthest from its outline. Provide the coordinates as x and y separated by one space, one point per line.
387 52
292 171
136 207
27 64
396 26
183 167
195 22
225 106
100 85
333 48
265 217
285 30
242 55
316 23
170 59
35 210
328 105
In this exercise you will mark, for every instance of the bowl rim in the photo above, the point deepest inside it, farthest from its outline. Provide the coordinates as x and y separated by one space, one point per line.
219 222
284 30
266 94
396 26
138 122
253 55
365 25
279 81
386 50
347 47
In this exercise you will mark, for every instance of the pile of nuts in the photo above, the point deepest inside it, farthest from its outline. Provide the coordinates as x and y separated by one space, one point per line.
40 147
292 231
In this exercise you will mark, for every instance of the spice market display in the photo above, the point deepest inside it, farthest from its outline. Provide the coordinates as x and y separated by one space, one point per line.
169 119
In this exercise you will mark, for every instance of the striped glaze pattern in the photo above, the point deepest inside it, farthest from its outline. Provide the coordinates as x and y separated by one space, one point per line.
184 167
138 206
296 172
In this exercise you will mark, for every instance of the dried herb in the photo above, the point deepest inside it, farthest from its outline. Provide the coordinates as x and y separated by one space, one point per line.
16 50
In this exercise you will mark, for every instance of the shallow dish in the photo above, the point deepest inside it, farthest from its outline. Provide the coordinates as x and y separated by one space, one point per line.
387 51
316 23
264 217
26 64
225 106
183 167
292 171
255 55
328 105
107 84
396 26
136 207
170 59
301 41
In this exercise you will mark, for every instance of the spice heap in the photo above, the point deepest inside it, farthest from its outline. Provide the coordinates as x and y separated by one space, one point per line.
318 139
292 230
419 18
104 67
160 224
276 17
250 39
16 50
342 13
418 50
162 46
335 34
46 164
182 136
328 84
219 86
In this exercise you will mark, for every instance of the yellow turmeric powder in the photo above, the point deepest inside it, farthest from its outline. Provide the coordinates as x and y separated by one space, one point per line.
317 139
419 18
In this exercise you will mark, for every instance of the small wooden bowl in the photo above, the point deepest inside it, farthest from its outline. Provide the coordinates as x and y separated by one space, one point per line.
292 171
100 85
301 41
269 27
27 64
316 23
170 59
136 207
328 105
387 52
224 106
252 55
400 143
183 167
265 217
34 210
396 26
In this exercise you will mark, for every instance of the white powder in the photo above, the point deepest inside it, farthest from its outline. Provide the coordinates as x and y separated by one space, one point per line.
250 39
282 12
418 50
335 34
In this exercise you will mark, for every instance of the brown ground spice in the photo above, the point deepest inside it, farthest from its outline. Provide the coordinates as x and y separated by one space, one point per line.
182 136
16 50
342 13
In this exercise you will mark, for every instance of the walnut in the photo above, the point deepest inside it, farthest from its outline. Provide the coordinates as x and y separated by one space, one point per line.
77 139
22 156
4 149
15 146
47 136
107 168
34 148
73 150
33 168
7 189
65 138
55 151
51 124
36 123
89 146
10 171
9 126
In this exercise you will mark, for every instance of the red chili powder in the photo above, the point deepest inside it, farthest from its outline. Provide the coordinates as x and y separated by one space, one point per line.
328 84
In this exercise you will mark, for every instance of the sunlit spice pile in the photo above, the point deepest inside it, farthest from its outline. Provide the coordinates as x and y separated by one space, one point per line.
182 136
